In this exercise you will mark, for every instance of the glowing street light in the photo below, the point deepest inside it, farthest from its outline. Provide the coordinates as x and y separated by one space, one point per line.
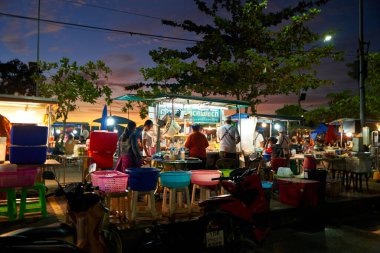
110 121
264 124
327 38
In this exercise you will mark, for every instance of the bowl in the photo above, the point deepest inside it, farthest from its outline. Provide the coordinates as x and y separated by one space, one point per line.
142 179
203 177
175 179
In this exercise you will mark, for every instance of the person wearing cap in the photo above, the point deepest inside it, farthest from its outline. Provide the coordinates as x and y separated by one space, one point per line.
197 144
228 136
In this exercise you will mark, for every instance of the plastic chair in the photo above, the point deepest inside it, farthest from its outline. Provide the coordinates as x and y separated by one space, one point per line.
10 210
30 206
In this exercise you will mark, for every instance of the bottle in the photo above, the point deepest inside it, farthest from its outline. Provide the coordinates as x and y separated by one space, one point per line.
182 154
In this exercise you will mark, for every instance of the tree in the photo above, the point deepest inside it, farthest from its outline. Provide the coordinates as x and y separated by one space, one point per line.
291 110
16 78
70 83
247 52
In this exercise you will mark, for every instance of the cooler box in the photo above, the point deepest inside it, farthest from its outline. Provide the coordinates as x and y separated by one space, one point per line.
103 141
298 192
103 160
27 154
29 135
102 148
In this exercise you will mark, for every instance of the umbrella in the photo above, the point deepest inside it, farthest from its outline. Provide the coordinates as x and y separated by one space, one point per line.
117 119
103 119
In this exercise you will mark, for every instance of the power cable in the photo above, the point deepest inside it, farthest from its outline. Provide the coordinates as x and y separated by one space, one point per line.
112 9
98 28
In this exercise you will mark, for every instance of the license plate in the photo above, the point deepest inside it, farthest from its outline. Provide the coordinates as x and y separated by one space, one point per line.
214 239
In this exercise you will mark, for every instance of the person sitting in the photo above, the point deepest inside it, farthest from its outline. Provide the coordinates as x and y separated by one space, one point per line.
69 145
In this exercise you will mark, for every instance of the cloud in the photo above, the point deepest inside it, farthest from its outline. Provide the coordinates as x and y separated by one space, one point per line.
14 38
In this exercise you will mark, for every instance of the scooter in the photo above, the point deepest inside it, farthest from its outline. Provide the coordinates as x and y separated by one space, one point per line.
85 216
239 221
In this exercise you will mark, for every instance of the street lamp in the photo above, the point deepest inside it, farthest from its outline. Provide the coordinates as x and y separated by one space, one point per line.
327 38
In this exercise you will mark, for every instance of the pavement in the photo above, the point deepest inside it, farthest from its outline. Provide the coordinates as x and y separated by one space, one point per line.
335 211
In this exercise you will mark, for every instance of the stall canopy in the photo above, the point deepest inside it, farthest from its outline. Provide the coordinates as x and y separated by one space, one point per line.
182 99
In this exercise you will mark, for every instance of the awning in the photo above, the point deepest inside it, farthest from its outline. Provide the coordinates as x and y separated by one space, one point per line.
182 99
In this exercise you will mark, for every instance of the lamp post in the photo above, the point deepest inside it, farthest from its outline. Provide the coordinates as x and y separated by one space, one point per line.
361 66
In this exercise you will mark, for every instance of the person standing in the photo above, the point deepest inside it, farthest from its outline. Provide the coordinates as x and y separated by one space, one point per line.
148 139
283 144
228 136
197 144
258 140
129 154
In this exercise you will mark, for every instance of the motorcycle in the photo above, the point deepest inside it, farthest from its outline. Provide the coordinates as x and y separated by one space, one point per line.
239 221
85 215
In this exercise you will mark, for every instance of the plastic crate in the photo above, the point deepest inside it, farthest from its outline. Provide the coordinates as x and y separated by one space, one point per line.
25 135
110 180
21 178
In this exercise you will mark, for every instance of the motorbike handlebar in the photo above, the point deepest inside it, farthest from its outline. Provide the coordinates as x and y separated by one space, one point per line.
220 178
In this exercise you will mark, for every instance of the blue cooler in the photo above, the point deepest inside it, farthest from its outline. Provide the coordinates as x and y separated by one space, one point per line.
28 144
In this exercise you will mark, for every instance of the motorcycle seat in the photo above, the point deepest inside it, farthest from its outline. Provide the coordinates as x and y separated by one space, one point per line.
55 230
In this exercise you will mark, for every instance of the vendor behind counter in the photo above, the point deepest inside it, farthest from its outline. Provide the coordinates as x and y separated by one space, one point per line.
197 143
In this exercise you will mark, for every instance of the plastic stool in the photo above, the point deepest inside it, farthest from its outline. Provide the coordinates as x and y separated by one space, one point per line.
204 193
150 206
40 206
175 204
122 205
10 209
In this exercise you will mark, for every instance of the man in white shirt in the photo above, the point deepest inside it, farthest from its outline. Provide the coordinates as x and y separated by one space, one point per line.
228 136
258 140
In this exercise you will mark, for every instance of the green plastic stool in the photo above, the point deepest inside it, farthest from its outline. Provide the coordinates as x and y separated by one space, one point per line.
10 210
40 206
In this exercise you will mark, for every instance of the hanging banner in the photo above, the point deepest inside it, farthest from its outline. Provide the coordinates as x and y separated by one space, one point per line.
197 115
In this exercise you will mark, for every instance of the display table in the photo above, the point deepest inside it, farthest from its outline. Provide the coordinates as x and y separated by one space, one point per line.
175 164
358 167
82 163
298 192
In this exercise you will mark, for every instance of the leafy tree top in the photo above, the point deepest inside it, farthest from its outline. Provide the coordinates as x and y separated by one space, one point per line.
247 52
69 83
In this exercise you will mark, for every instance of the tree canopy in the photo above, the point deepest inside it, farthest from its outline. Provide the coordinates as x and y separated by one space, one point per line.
16 78
245 51
69 83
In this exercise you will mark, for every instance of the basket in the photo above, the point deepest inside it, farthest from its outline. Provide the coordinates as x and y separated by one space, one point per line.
110 180
21 178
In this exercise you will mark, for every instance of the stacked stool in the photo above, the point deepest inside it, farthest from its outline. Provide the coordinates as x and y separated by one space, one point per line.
29 205
201 179
9 209
175 183
143 182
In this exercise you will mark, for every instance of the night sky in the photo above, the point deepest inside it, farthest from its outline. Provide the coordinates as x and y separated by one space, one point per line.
126 54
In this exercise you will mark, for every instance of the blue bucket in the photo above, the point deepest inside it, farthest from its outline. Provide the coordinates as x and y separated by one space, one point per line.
142 179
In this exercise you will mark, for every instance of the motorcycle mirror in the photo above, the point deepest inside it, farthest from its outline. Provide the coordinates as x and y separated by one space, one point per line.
48 175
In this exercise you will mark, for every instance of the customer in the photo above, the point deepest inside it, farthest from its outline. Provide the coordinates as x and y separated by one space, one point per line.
228 136
129 154
148 139
197 144
69 145
283 144
258 139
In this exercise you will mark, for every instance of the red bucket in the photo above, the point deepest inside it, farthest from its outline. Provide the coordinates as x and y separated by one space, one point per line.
309 163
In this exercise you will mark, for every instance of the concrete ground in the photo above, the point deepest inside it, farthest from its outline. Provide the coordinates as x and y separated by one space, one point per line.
342 230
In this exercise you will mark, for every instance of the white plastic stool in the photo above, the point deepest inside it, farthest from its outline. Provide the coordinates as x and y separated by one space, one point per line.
149 207
204 193
175 204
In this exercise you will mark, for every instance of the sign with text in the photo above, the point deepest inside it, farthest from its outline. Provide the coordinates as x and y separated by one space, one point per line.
197 115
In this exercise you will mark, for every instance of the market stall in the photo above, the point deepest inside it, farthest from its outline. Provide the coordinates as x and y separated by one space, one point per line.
175 114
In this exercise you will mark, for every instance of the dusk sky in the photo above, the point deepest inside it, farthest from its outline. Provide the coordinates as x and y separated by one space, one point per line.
126 54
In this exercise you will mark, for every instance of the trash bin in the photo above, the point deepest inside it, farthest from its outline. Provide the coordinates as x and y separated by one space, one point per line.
267 187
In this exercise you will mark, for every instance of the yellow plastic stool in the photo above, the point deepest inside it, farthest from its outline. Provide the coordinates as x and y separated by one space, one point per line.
33 206
10 209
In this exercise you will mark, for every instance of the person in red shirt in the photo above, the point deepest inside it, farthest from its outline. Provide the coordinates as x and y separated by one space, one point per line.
197 144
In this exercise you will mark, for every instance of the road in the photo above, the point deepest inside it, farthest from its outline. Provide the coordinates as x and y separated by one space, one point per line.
355 234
